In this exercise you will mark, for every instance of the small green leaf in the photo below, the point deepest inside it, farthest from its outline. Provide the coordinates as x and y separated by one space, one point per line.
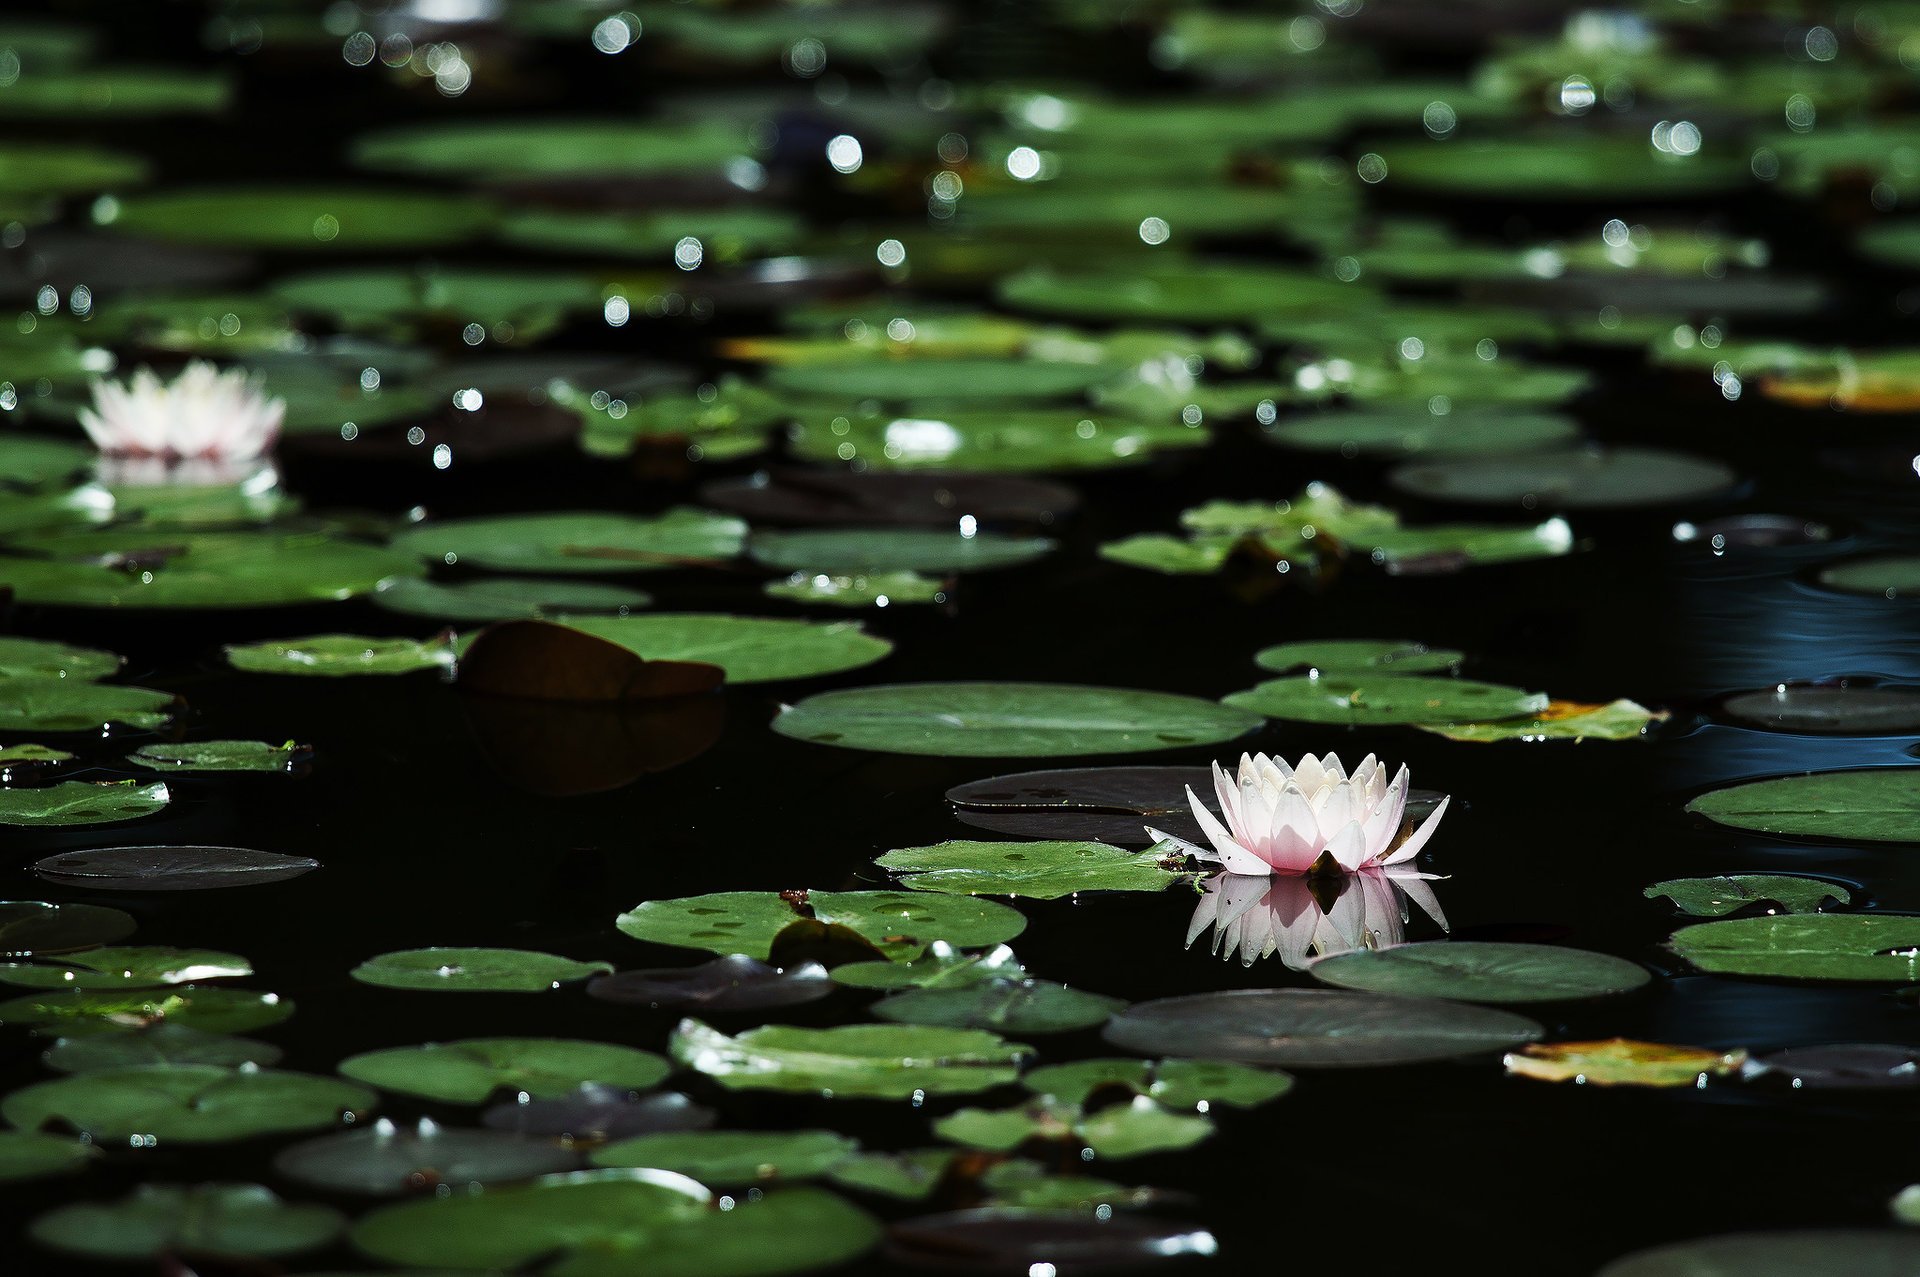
1717 897
451 970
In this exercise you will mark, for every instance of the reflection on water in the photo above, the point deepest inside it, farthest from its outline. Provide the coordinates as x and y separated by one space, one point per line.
1301 918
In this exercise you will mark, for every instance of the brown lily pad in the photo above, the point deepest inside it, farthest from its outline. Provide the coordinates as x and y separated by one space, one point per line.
171 868
537 660
559 749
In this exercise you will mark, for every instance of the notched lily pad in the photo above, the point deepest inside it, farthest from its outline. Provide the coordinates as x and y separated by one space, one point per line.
1176 1084
896 924
469 1071
171 868
1779 893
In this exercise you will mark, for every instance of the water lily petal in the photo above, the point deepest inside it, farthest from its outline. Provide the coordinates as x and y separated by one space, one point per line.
1233 857
1411 847
1348 846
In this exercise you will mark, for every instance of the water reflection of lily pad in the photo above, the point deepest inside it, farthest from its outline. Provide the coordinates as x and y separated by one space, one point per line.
232 1221
171 868
615 1222
1009 719
390 1160
1037 870
81 802
899 924
1718 897
1315 1028
858 1061
1482 971
729 1158
1875 805
470 1071
1814 946
186 1103
474 970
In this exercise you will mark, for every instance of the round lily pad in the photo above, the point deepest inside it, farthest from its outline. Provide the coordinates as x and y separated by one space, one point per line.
1357 657
1884 1252
1482 971
955 381
389 1160
1586 166
453 970
1574 479
29 928
1104 803
1813 946
44 658
78 1013
751 649
80 802
375 298
1039 870
583 542
1874 805
856 1061
127 568
115 92
312 219
987 441
28 1155
897 924
155 1220
54 704
728 1158
1387 698
33 460
1009 1006
859 550
187 1103
1417 432
470 1071
504 598
1176 1084
1185 293
1778 893
161 1043
595 1113
811 497
1009 719
1828 711
554 148
340 655
171 868
125 967
1315 1028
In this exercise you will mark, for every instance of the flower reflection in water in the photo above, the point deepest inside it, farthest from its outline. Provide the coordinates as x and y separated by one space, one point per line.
1301 918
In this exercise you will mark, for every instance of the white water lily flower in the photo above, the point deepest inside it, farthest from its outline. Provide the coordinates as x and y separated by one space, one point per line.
1311 816
203 415
1301 918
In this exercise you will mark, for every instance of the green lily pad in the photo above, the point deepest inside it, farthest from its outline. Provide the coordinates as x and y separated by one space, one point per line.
341 655
1574 479
67 170
220 756
910 1176
616 1223
78 1013
556 148
751 649
115 93
875 589
161 1044
1880 1252
900 924
584 542
1186 293
1717 897
470 1071
452 970
1010 1006
186 1103
942 966
1386 698
28 1155
1814 946
1040 870
29 928
1175 1084
864 551
1350 657
1893 576
1875 805
724 234
44 658
311 219
125 567
375 298
1550 167
1120 1131
55 704
1561 720
857 1061
504 598
948 380
227 1220
1482 971
29 754
81 802
1023 1185
1416 432
1009 719
126 967
986 440
728 1158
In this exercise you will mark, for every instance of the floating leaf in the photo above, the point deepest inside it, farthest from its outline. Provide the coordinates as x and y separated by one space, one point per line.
1561 720
313 219
1315 1028
1040 870
1482 971
1112 804
863 551
1576 479
1182 292
220 756
1029 1186
594 1113
27 1155
941 966
751 649
1813 1252
1006 719
1822 710
1547 166
56 704
732 983
126 567
859 1061
1892 576
75 1013
130 967
603 1223
29 928
879 589
577 542
909 1176
158 1220
29 755
1417 432
1873 805
996 1239
1176 1084
987 441
1867 1066
338 655
1622 1062
390 1160
728 1158
1009 1006
504 598
1353 657
901 924
160 1043
470 1071
946 380
815 497
1817 946
1118 1131
454 970
43 658
171 868
187 1103
1351 700
1717 897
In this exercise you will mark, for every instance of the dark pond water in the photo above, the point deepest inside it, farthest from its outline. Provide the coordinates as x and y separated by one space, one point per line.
425 826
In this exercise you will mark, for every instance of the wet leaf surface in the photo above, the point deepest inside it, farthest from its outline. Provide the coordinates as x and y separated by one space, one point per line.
222 756
1779 893
31 928
1879 805
1819 946
1482 971
823 498
869 1061
185 1103
456 970
900 924
595 1113
997 1240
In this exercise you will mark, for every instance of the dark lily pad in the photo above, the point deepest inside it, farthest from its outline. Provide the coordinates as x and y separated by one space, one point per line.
187 1103
1008 1006
577 542
865 1061
562 748
1828 710
594 1113
456 970
470 1071
1854 1066
1009 719
242 1221
733 983
553 149
1315 1028
729 1158
897 924
1717 897
1751 532
811 497
171 868
1482 971
78 1013
26 1155
941 966
1875 805
1892 576
1182 292
30 928
1884 1252
860 550
389 1160
539 660
992 1240
1572 479
159 1044
1111 804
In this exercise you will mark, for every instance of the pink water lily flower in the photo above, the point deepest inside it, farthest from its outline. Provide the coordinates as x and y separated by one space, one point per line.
1303 918
1306 818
